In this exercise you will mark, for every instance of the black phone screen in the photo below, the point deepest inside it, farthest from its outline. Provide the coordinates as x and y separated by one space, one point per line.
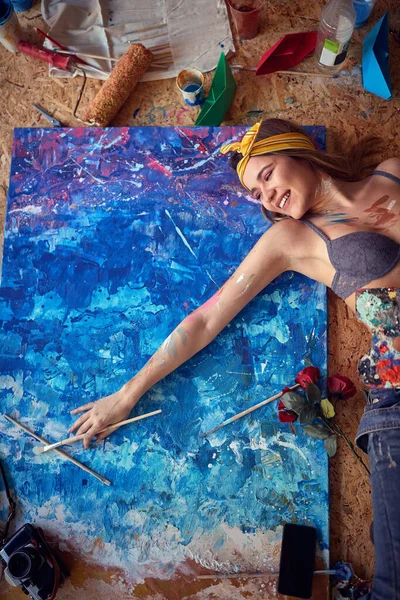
297 560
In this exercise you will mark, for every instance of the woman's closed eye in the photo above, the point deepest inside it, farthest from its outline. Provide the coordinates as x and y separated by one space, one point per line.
257 193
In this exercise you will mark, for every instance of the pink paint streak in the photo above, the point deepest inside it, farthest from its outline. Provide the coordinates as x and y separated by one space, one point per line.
209 304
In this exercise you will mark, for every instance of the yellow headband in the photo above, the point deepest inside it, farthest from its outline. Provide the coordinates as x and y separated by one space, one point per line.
249 147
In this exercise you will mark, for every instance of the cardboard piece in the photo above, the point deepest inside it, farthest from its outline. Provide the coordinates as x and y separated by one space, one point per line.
219 97
287 52
375 60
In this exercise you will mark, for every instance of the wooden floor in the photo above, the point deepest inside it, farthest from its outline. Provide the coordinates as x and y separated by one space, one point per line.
341 104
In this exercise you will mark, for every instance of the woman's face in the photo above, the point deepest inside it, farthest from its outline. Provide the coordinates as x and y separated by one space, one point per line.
282 184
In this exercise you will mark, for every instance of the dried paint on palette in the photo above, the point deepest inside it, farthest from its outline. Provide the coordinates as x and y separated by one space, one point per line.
112 238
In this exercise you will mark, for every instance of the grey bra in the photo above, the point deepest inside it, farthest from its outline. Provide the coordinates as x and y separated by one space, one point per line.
359 257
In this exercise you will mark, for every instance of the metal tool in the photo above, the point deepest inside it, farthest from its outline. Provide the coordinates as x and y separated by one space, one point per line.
55 122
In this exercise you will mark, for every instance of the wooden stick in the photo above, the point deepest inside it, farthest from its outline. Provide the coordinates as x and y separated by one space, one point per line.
303 73
146 29
76 438
253 575
245 412
142 39
159 47
88 55
238 575
160 67
63 454
162 54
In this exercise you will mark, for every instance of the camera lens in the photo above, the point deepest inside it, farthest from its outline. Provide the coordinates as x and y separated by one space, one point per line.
23 564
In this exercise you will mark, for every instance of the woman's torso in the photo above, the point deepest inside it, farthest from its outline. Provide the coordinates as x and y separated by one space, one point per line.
374 208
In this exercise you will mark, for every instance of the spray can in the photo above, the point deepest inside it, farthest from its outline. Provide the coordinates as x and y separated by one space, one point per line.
335 30
10 31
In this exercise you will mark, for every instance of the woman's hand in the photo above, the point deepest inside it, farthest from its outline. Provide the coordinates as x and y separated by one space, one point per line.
97 415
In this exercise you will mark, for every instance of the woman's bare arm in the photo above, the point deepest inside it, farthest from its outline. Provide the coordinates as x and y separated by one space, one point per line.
269 258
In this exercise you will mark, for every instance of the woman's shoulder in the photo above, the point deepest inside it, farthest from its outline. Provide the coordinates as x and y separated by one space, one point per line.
390 166
290 236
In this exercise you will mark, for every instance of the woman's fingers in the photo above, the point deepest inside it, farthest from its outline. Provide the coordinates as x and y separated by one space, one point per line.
101 436
82 408
79 422
84 427
89 435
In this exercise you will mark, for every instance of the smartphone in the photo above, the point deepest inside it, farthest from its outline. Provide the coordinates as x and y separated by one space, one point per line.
297 560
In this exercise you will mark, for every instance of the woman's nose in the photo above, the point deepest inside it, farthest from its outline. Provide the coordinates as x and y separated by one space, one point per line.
268 194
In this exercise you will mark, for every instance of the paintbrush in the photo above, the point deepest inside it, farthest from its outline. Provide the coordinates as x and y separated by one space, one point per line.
61 452
76 438
246 412
255 575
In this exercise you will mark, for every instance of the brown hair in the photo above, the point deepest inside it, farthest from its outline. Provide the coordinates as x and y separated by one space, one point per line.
349 166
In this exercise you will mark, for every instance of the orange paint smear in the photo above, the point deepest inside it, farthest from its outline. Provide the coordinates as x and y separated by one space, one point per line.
388 373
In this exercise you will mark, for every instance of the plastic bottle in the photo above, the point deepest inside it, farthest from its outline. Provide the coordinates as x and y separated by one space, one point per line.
334 35
10 31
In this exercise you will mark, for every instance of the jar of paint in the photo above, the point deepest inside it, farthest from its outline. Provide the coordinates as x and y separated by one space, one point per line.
190 83
246 16
10 31
21 5
363 9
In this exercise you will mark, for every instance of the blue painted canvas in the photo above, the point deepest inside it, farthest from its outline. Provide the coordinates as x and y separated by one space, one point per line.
112 237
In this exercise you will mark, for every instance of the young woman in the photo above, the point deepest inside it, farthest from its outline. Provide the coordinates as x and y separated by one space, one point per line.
332 226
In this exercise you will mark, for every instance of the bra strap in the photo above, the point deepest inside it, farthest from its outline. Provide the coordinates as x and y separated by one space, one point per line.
315 228
388 175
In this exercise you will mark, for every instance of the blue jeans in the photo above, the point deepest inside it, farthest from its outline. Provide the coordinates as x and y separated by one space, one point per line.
379 435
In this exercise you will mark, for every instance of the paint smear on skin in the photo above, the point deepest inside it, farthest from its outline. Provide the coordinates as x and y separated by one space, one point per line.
212 301
170 345
182 332
195 315
375 205
240 278
336 218
247 285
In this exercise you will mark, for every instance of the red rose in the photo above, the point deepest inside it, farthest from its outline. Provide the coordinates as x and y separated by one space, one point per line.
307 376
341 386
285 415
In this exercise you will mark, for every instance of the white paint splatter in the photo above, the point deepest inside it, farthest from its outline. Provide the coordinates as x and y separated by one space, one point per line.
179 232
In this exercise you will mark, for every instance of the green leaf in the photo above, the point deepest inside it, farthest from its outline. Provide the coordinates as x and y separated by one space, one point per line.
293 401
307 415
330 444
313 393
318 431
327 409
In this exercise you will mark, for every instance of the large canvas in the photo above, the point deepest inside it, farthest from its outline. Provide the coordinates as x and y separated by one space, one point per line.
112 237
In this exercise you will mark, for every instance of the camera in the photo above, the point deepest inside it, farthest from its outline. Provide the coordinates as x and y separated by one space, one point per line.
31 564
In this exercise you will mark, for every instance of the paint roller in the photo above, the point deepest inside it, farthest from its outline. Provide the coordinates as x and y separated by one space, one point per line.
118 87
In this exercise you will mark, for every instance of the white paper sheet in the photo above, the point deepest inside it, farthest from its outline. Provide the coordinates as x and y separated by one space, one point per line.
197 31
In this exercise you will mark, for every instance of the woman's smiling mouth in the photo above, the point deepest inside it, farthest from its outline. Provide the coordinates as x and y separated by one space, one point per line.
282 201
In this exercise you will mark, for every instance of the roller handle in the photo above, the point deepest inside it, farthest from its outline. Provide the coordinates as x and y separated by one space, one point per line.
57 60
